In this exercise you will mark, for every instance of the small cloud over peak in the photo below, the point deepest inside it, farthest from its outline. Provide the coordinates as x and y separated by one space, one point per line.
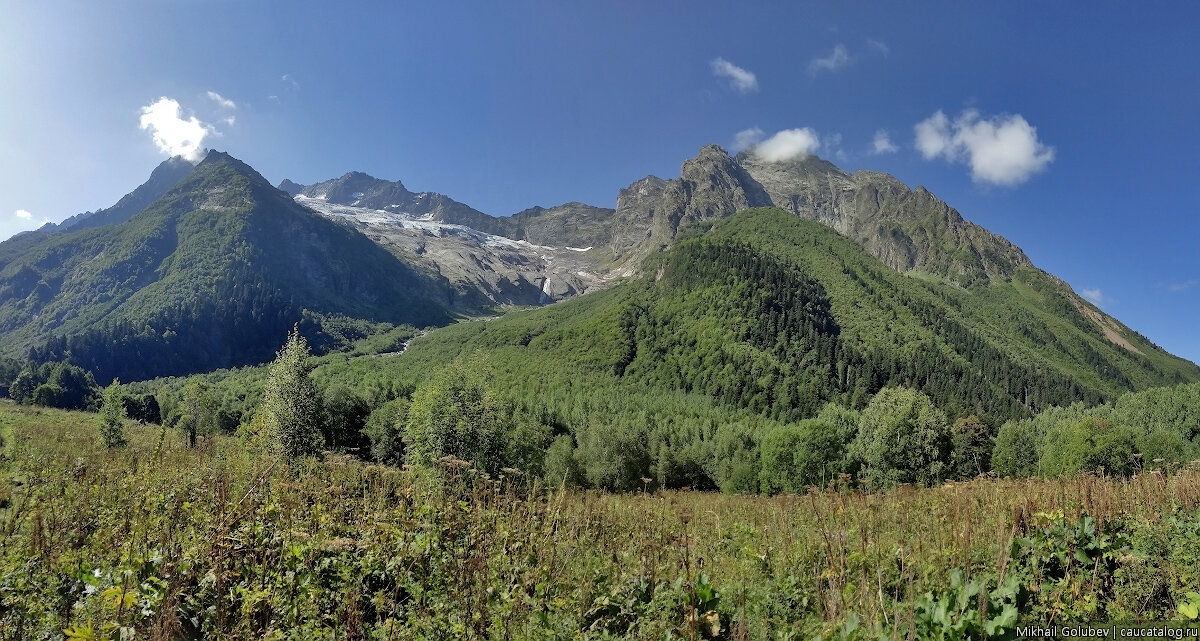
1001 150
221 101
882 143
1095 296
1184 286
838 58
746 138
23 214
788 144
741 80
173 134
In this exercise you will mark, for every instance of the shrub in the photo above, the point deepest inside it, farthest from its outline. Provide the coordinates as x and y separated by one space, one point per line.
455 414
902 438
797 456
385 430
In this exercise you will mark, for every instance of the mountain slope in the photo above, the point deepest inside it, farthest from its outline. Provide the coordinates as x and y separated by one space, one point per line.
210 275
775 315
164 177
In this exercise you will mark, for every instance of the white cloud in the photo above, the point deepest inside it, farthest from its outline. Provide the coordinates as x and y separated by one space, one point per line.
1184 286
229 120
288 80
880 46
742 80
23 214
221 101
882 144
1094 295
746 138
833 147
788 144
836 59
1002 150
173 134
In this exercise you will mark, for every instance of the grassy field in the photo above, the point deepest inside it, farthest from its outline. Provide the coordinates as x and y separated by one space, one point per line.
157 541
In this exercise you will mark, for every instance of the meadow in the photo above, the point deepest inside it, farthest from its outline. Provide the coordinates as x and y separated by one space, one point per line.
159 541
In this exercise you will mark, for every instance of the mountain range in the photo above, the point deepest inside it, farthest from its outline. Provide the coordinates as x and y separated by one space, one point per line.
207 266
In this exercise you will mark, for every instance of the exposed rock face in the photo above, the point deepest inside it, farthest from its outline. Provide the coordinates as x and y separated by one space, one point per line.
909 230
483 269
906 229
571 224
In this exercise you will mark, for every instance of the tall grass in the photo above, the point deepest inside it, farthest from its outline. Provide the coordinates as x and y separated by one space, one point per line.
157 541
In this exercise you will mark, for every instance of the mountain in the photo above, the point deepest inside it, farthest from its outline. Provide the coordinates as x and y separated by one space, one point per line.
575 248
164 177
211 274
769 315
531 258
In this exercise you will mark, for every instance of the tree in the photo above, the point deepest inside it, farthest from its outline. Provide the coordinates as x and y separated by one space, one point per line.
797 456
1089 445
454 413
346 415
199 408
289 413
561 468
902 438
112 417
23 386
971 453
1018 449
385 429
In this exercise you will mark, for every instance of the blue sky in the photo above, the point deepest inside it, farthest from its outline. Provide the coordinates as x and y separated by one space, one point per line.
1070 129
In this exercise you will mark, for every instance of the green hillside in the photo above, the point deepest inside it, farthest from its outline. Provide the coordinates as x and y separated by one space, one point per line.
211 275
777 315
760 321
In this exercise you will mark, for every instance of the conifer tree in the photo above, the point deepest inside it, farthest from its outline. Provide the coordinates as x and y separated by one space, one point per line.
290 408
112 417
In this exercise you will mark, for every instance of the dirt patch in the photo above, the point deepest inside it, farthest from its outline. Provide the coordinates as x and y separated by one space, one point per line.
1106 325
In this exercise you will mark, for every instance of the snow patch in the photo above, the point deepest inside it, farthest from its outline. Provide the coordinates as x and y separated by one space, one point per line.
579 249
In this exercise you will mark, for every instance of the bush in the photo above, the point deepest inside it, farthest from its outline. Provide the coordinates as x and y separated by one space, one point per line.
385 430
797 456
455 414
1018 449
902 438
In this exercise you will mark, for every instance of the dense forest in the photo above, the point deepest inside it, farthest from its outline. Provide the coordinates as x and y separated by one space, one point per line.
725 367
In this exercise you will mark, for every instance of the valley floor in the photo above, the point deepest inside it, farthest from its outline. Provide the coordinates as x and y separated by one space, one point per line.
157 541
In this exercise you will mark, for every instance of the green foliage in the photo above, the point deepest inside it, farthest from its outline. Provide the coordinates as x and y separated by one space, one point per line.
199 411
795 457
1089 445
112 417
1018 449
561 468
385 430
455 413
971 448
902 438
615 456
57 384
290 411
346 415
